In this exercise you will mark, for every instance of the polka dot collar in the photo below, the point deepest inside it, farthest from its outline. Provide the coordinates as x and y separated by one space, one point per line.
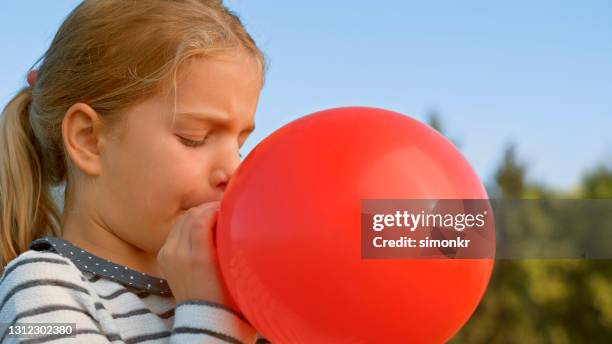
86 261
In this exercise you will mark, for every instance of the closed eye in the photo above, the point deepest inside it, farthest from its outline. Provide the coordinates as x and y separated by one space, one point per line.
193 143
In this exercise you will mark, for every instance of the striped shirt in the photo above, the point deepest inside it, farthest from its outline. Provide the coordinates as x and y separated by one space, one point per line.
58 282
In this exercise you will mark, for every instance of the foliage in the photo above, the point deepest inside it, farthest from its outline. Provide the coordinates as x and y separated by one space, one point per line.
547 300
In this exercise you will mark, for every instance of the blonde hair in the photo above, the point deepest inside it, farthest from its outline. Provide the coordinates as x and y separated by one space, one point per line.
109 54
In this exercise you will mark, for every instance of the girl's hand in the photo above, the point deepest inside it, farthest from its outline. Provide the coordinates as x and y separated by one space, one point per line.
188 258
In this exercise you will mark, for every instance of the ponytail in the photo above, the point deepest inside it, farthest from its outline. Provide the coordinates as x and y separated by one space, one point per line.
27 209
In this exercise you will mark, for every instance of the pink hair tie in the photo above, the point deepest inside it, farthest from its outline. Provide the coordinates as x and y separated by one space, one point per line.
32 77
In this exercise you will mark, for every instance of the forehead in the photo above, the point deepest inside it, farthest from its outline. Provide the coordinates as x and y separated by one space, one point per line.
234 72
227 84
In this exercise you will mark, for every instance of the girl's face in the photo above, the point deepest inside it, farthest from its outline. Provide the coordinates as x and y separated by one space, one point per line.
159 169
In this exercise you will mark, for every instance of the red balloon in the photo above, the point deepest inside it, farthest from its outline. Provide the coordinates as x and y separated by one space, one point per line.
288 234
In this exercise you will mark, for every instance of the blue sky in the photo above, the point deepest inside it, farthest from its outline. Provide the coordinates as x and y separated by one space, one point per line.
537 73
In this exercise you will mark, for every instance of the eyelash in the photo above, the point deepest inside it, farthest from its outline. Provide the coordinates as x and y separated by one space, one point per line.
195 144
192 143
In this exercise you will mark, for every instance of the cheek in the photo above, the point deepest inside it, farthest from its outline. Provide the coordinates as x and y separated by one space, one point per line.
178 179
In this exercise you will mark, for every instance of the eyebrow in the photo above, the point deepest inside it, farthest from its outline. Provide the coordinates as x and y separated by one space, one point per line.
214 118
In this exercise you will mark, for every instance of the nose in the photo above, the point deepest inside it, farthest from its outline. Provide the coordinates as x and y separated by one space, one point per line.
224 169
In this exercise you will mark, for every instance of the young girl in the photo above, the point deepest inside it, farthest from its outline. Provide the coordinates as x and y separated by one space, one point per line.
140 107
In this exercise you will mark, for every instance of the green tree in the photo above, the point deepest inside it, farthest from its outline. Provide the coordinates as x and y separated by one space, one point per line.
434 120
597 183
510 176
546 300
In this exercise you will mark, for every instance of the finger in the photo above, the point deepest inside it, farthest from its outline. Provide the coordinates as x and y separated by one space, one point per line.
204 207
195 217
202 235
205 213
172 239
184 240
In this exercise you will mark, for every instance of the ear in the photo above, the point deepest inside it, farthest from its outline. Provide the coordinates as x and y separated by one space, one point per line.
82 135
